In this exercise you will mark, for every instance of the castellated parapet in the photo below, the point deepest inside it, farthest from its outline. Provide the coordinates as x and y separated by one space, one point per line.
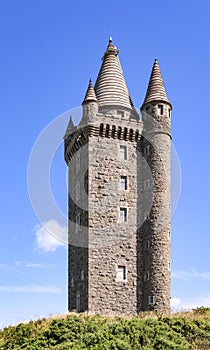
119 197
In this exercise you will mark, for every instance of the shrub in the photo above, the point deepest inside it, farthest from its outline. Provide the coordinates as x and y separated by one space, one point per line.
78 332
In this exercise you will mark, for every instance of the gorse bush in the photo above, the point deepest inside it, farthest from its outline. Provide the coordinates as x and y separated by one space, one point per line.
77 332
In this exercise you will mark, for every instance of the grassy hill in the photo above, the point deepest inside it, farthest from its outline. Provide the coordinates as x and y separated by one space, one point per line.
147 331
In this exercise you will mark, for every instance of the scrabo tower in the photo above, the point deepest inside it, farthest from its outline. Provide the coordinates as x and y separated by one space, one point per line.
119 197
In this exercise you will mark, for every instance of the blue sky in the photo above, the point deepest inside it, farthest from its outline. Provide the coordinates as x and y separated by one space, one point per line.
49 50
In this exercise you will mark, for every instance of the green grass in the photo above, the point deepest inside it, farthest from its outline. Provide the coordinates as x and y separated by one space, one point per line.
148 331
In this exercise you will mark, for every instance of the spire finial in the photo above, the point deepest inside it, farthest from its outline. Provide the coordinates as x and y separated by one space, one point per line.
110 86
111 49
71 120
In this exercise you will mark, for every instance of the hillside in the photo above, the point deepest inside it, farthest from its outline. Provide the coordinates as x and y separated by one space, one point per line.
148 331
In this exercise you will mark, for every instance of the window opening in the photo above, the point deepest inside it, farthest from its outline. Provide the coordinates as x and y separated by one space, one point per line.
123 182
123 214
121 273
151 300
161 109
123 152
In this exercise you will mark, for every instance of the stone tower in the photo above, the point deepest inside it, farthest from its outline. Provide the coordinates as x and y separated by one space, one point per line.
119 197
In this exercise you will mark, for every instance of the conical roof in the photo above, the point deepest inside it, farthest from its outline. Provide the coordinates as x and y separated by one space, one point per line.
90 94
69 128
110 87
156 90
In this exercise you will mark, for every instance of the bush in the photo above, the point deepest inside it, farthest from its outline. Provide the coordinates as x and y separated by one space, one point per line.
79 332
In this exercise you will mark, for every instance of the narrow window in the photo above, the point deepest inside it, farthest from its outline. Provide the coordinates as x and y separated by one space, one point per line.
161 109
169 112
82 275
146 276
147 184
123 152
86 182
147 244
121 273
123 182
151 300
147 150
147 215
123 214
72 282
77 162
78 221
77 191
78 301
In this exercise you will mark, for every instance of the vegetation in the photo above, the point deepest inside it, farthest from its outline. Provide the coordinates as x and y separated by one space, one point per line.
147 331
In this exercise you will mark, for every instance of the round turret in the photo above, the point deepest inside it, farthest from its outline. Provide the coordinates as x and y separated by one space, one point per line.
155 232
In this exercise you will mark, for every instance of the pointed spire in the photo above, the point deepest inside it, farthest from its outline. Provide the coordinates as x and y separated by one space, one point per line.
156 89
110 87
70 128
71 124
90 95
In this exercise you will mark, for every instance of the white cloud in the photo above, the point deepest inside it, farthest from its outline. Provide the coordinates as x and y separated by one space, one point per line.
175 302
50 236
178 304
186 275
34 288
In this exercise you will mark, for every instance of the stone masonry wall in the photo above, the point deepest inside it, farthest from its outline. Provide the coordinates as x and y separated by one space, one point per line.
112 243
99 243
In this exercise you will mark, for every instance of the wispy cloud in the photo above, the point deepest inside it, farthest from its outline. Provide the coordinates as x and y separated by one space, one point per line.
34 288
179 304
6 267
50 236
186 275
19 265
29 264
